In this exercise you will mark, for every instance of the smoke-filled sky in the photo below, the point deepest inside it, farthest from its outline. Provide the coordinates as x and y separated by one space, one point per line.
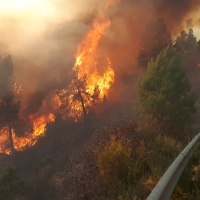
42 35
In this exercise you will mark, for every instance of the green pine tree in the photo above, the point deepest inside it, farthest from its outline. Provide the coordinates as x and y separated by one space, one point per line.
165 91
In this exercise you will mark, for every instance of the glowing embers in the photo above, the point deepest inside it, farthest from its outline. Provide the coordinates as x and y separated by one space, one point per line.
4 140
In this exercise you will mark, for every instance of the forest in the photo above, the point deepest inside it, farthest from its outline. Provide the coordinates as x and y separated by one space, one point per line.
106 111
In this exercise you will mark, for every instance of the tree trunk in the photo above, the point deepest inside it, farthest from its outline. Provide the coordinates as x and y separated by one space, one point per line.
82 103
81 99
10 135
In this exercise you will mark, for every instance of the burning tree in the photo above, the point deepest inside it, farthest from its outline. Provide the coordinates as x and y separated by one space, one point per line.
90 81
9 101
77 99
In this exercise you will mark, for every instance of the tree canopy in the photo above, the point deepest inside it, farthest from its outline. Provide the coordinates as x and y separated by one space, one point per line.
165 91
186 43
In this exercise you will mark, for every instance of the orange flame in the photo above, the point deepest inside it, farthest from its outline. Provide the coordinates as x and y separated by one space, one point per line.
86 61
86 65
28 139
39 128
4 140
38 123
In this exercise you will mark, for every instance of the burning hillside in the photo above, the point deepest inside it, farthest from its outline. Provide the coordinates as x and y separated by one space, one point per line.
110 39
78 97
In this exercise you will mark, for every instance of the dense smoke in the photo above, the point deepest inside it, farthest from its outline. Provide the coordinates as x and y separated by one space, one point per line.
43 42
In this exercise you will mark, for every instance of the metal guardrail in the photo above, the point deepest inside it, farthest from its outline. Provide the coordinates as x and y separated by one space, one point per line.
166 185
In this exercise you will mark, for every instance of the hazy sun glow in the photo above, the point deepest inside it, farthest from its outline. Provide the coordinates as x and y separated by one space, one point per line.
27 3
28 19
34 10
16 6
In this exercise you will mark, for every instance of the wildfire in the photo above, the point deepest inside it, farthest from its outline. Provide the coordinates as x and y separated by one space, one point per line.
86 61
37 122
90 80
28 139
88 85
39 128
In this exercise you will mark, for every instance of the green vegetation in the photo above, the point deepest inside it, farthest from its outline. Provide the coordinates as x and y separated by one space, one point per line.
165 91
128 165
11 185
113 161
